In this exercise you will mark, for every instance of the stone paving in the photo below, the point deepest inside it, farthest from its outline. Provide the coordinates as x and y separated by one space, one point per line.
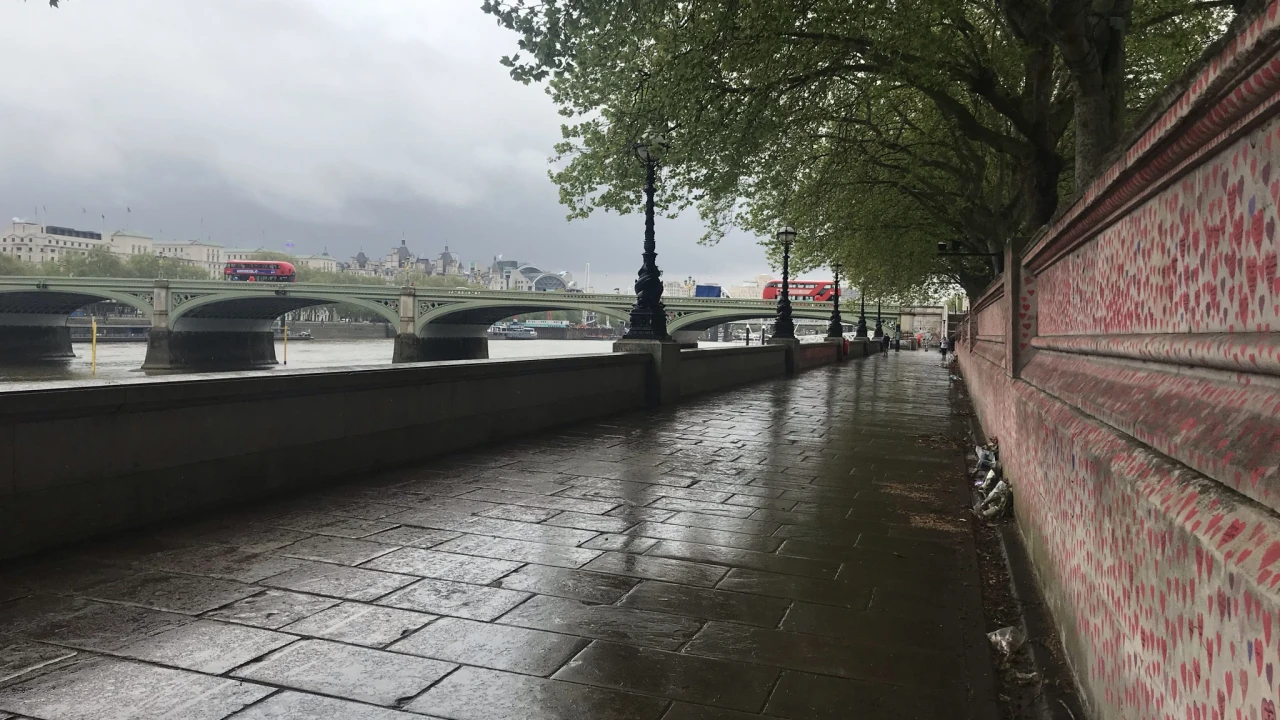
795 549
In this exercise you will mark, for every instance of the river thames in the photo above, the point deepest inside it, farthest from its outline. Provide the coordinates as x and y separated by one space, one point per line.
122 361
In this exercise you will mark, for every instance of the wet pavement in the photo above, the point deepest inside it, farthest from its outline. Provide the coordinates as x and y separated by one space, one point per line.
794 549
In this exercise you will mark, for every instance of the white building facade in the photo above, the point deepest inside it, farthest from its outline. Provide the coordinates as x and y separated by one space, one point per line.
322 262
35 243
206 256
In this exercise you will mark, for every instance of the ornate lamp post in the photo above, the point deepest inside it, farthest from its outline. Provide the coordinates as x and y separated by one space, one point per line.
879 325
835 329
648 316
862 316
784 327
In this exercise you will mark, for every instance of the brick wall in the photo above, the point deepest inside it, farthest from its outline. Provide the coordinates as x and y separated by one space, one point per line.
1131 371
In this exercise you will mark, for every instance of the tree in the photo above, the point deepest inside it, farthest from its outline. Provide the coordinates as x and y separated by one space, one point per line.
979 115
155 266
98 262
10 265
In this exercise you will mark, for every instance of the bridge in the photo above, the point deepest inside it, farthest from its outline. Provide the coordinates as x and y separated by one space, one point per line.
215 324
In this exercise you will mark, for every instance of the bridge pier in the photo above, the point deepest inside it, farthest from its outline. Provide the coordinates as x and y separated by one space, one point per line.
688 339
34 337
442 342
209 349
205 343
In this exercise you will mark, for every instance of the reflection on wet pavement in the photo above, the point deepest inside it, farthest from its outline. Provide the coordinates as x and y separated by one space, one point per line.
793 549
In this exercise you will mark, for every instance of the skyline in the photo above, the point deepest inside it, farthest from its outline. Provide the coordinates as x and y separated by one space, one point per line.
318 123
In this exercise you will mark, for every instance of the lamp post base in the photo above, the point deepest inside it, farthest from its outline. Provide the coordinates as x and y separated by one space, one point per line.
663 384
793 349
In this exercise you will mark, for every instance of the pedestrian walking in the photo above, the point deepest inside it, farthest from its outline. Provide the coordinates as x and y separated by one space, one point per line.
943 346
884 344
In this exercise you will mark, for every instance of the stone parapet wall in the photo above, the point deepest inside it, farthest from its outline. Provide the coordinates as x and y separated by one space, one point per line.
1131 371
811 355
84 460
709 369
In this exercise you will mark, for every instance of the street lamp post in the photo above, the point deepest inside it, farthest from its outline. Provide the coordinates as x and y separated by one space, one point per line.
784 326
879 324
835 329
648 316
862 316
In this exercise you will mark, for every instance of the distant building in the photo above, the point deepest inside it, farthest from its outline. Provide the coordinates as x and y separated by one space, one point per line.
322 262
448 263
362 265
123 243
35 243
500 273
513 275
206 256
750 289
679 288
400 258
230 254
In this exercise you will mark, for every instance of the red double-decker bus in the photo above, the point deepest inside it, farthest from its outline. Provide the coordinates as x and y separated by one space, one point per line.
259 271
802 290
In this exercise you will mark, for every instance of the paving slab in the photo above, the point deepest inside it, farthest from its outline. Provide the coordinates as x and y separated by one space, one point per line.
326 548
225 563
360 624
19 656
521 550
707 604
272 609
445 597
737 558
83 624
173 593
292 705
733 685
338 581
578 585
363 674
97 688
443 565
496 646
685 533
479 694
605 622
781 551
656 568
899 665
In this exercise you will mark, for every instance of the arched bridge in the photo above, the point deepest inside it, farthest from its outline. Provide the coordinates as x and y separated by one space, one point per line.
209 323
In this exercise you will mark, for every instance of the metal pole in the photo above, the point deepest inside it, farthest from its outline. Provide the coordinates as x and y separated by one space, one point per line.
284 324
648 315
784 326
836 328
93 346
879 324
862 316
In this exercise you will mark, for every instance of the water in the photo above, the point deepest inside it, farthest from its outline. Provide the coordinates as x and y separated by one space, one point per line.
123 361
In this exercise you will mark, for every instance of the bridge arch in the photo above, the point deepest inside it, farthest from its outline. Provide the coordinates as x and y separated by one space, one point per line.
487 312
51 302
262 309
698 321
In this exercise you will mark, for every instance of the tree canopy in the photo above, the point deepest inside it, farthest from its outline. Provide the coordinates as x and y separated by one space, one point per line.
877 128
101 262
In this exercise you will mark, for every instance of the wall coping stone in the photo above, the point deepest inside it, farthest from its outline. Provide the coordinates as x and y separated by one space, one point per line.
209 389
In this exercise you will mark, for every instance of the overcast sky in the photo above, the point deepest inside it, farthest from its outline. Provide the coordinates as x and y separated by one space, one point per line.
338 124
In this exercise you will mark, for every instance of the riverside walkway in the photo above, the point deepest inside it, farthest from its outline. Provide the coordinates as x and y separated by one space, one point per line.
793 549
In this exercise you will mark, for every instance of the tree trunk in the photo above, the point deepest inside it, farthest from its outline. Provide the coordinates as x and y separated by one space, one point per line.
1040 189
1099 102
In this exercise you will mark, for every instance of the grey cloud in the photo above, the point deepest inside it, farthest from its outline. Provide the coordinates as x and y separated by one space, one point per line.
319 122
